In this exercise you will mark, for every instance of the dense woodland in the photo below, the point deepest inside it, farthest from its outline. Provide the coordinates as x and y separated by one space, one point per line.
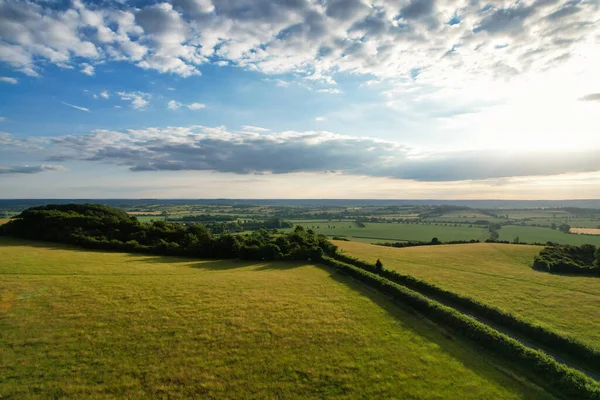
584 259
103 227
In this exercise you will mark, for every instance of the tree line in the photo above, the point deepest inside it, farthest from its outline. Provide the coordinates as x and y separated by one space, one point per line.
102 227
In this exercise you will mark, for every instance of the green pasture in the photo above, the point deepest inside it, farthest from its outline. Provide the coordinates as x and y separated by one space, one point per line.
83 324
499 275
381 232
531 234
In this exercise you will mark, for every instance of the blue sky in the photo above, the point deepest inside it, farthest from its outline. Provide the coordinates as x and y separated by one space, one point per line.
299 98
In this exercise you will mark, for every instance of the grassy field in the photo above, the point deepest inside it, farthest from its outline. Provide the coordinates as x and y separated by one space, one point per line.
530 234
499 275
380 232
4 220
82 324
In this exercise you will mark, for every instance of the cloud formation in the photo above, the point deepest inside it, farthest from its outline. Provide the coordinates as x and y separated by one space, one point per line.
315 39
29 169
6 79
199 148
174 105
139 100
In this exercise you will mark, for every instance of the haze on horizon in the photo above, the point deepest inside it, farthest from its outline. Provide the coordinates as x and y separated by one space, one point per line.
300 99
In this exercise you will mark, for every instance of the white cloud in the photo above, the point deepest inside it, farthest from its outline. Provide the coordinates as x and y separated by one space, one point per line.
318 119
196 106
87 69
104 94
431 41
6 79
330 91
174 105
139 100
254 128
76 107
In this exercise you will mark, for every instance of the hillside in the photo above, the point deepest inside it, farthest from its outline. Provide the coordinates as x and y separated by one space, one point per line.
79 323
499 275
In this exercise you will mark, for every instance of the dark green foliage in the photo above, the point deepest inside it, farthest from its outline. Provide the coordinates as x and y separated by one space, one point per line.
570 383
586 355
564 228
378 265
102 227
414 244
569 260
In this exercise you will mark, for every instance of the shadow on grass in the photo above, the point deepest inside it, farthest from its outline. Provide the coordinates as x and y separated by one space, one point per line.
474 357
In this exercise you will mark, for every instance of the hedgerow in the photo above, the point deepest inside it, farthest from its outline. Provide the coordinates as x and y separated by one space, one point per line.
586 355
570 383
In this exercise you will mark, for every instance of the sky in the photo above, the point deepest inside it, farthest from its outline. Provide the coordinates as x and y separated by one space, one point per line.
435 99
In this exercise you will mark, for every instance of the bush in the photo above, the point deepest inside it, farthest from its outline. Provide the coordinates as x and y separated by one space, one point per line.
568 259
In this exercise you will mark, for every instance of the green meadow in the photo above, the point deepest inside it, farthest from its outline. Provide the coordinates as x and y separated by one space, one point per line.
381 232
499 275
85 324
531 234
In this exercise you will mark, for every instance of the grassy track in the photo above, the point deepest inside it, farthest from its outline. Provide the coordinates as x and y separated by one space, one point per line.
77 324
499 275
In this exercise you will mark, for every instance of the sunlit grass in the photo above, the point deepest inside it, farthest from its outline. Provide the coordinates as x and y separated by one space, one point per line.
82 324
500 275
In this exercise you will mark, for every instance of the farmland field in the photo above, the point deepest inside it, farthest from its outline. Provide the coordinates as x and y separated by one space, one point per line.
84 324
499 275
379 232
585 231
530 234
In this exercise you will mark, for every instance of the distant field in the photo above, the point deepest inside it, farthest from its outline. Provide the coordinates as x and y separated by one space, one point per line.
4 220
499 275
82 324
144 213
381 232
150 218
585 231
530 234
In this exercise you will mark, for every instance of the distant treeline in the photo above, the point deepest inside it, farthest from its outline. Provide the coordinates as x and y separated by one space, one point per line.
102 227
435 241
229 224
584 260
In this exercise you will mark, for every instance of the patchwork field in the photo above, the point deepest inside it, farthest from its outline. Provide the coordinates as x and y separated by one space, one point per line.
84 324
499 275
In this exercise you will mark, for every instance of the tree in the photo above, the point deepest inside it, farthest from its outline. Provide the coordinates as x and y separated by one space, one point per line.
378 265
564 228
435 241
516 240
